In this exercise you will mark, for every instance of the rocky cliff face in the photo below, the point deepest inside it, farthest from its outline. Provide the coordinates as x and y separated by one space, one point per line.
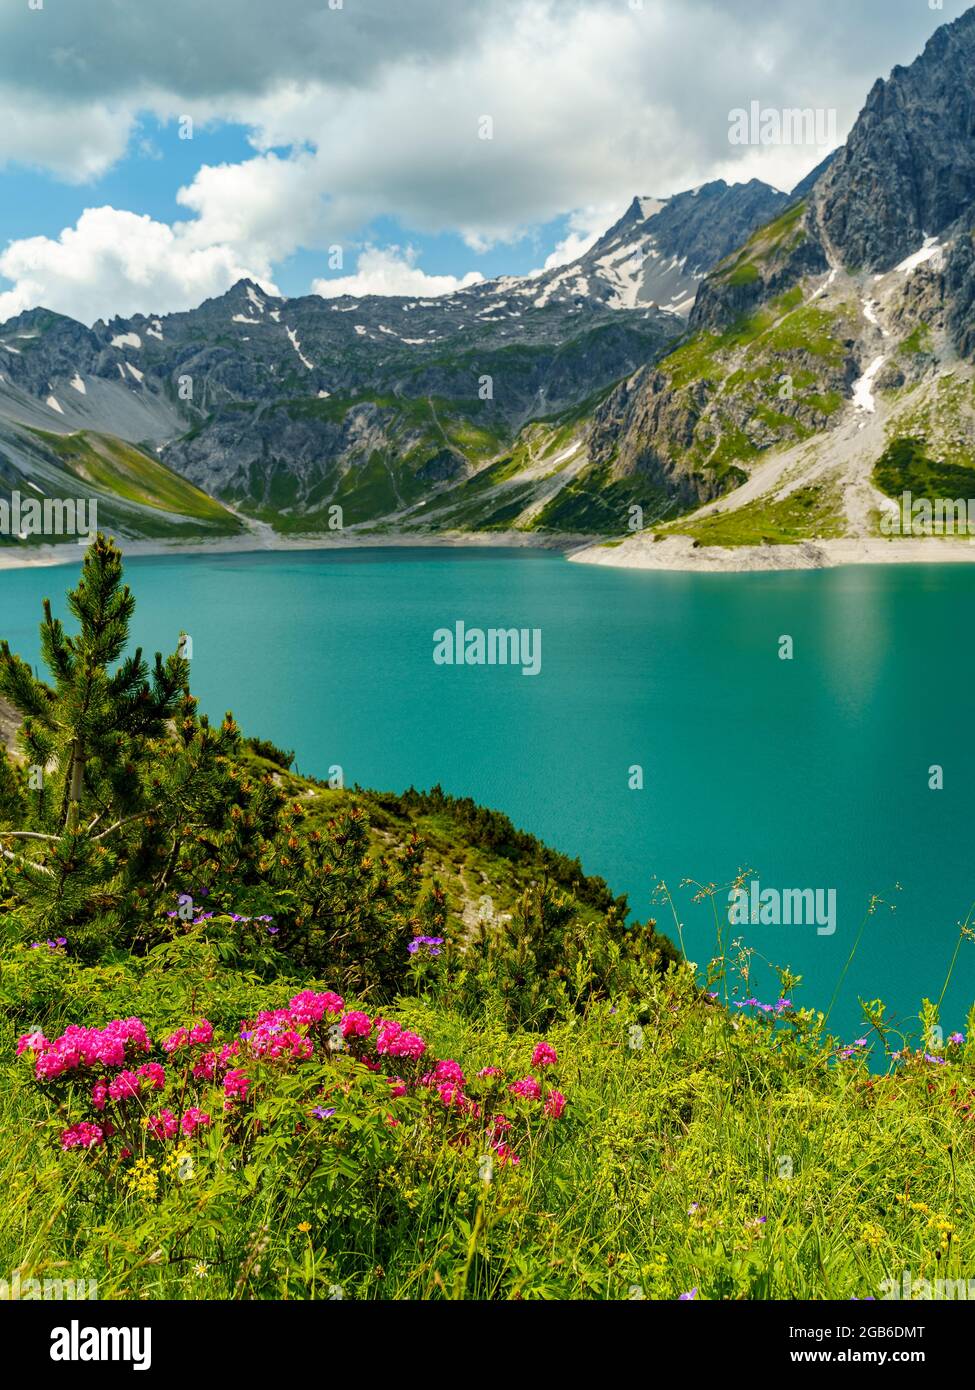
907 171
904 180
647 428
661 249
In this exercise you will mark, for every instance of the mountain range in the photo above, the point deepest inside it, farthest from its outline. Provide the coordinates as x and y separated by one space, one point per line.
730 366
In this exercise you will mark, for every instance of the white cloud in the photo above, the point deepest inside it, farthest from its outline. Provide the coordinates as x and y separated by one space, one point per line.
591 103
391 270
114 262
586 226
77 143
265 207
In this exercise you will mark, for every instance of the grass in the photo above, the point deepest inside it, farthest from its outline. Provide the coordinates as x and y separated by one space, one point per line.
123 471
808 513
703 1151
763 246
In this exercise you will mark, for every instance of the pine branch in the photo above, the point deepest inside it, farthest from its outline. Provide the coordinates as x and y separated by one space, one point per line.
127 820
26 863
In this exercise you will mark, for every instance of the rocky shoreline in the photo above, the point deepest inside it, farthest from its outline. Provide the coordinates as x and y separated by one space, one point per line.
680 553
676 553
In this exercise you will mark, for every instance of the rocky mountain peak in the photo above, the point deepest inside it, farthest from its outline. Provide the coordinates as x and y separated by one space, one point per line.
907 170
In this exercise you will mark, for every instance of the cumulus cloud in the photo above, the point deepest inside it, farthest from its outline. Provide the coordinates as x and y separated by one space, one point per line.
115 262
77 143
392 270
265 207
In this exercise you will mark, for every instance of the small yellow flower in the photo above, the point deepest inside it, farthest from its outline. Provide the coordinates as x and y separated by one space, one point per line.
873 1235
143 1180
304 1227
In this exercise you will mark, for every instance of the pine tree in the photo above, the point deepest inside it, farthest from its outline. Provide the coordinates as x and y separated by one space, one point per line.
130 796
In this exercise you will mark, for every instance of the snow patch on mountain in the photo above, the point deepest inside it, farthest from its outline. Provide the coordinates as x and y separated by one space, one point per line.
863 397
292 334
932 250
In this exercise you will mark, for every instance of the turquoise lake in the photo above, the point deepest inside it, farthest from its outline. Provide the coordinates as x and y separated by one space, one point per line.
813 772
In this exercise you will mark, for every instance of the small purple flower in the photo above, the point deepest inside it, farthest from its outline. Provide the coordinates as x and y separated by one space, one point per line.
686 1297
322 1114
939 1061
956 1038
432 943
753 1003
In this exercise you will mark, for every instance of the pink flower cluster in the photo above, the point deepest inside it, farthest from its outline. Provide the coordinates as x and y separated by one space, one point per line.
394 1040
289 1036
200 1033
212 1062
527 1087
166 1126
309 1007
356 1024
83 1135
77 1047
273 1036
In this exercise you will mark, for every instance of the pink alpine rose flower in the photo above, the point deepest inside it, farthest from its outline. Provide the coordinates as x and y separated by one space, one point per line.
82 1136
356 1024
124 1085
163 1125
527 1087
554 1104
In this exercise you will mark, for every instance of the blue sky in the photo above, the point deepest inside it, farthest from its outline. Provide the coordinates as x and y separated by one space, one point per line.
361 124
157 164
